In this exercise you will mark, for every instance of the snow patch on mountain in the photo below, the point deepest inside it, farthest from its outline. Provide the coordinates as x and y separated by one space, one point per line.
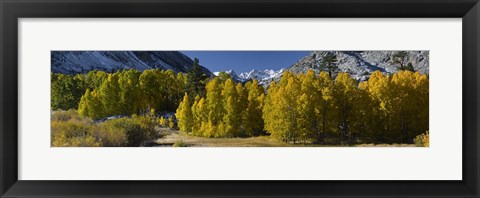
264 77
75 62
360 64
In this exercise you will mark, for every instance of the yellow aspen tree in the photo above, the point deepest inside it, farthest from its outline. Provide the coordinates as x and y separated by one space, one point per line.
109 93
305 117
253 121
129 91
83 105
324 86
378 88
278 123
421 116
232 117
197 122
149 89
215 106
362 113
171 91
181 87
184 115
91 106
242 102
268 107
343 92
287 107
201 117
404 111
306 101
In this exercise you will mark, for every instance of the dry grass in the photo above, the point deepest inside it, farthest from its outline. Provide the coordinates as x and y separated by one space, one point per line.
174 136
193 141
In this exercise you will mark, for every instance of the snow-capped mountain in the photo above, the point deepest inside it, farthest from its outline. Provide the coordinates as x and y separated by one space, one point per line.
232 74
360 64
74 62
259 74
264 77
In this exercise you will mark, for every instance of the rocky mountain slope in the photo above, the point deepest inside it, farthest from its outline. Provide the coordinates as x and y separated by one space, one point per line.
360 64
74 62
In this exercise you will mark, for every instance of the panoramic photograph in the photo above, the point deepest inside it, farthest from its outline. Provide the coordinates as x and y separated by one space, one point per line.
239 98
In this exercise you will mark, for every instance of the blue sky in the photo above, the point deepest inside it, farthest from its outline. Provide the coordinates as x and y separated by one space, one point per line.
244 61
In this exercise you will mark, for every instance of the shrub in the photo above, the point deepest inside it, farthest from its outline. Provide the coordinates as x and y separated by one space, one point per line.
180 143
137 130
72 132
171 122
68 129
162 121
422 140
110 135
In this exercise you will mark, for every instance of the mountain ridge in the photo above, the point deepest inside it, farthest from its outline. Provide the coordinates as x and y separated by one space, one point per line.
359 64
75 62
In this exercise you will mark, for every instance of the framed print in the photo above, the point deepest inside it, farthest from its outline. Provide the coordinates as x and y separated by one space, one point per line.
263 98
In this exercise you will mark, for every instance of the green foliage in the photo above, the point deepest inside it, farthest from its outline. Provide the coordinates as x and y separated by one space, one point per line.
223 76
130 92
98 94
409 67
91 105
400 58
128 83
66 91
303 108
196 80
329 63
95 78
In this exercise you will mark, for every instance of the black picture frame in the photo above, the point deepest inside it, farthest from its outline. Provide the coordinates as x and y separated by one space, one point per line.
12 10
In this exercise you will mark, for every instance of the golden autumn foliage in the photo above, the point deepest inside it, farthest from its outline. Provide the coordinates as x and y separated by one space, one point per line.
228 110
130 92
422 140
184 115
299 108
311 108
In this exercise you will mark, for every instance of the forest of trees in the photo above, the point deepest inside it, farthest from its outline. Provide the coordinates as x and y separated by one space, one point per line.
309 108
98 94
228 110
